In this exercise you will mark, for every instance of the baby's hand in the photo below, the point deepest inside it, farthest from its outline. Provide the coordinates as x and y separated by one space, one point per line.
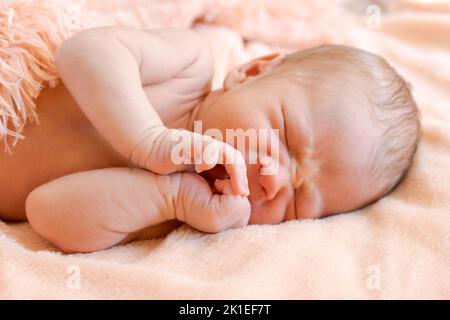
165 151
197 206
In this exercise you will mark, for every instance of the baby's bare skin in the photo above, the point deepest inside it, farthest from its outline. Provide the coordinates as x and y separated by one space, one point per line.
68 140
317 173
64 142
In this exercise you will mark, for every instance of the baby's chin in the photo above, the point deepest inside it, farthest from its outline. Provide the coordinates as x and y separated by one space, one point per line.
262 216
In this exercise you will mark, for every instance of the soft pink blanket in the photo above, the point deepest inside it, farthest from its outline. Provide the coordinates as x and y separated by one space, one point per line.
398 247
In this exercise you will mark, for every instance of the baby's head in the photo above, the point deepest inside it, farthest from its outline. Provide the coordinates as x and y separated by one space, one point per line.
348 129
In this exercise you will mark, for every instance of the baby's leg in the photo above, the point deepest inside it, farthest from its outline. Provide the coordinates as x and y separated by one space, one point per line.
94 210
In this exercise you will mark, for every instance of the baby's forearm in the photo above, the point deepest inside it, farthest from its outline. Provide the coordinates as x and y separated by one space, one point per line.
96 209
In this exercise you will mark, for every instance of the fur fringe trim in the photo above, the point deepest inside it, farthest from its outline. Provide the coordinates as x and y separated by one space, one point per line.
30 32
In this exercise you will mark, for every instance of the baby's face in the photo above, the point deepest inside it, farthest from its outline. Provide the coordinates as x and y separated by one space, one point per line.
319 152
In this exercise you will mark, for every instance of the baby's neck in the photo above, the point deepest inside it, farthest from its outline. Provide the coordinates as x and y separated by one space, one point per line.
199 111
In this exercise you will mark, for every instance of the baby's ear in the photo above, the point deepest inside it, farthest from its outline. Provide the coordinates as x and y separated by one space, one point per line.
253 68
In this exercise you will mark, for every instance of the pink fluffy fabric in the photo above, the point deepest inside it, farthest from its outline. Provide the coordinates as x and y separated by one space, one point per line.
30 32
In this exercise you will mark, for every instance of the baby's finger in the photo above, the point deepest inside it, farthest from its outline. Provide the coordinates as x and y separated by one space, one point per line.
199 207
210 156
234 164
223 186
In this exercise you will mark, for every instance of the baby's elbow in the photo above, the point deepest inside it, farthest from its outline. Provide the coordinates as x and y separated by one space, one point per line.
59 221
40 210
37 208
65 55
77 46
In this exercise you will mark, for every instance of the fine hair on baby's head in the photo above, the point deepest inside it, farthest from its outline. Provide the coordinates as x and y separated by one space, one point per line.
340 74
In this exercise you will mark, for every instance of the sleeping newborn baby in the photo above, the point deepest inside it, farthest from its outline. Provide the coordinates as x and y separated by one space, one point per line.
317 132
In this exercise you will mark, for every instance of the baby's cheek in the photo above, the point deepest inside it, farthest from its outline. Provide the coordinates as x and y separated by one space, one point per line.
310 204
268 213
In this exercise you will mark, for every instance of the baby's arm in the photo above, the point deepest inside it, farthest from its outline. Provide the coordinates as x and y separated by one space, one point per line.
94 210
105 69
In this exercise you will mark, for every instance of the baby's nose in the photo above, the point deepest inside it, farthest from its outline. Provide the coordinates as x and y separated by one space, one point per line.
272 182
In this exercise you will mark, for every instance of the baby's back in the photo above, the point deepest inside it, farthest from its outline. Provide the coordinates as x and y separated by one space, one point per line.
64 142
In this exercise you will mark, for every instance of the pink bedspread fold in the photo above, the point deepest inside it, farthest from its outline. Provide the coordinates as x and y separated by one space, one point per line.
398 247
